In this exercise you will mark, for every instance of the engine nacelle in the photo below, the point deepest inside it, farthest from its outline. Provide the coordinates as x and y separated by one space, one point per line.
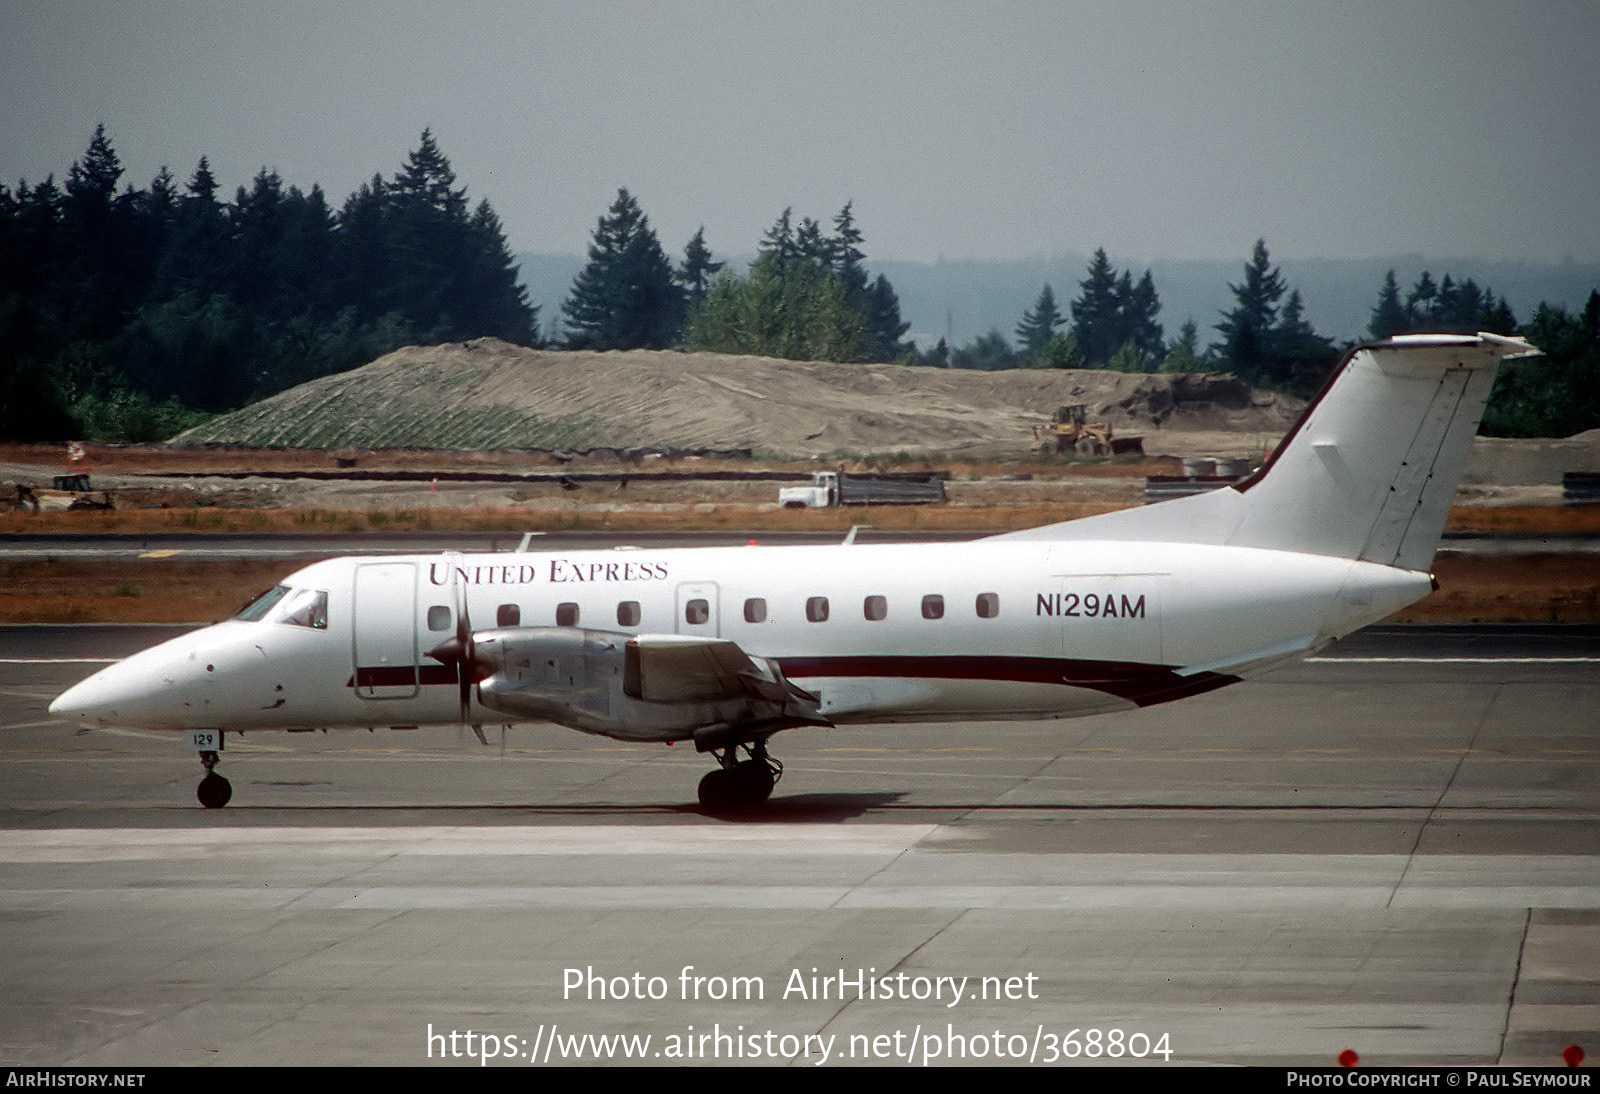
633 687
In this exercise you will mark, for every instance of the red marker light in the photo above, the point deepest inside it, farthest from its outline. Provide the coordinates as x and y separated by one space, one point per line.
1348 1058
1573 1055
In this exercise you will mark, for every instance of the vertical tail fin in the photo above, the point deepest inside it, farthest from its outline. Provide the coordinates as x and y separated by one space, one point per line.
1368 472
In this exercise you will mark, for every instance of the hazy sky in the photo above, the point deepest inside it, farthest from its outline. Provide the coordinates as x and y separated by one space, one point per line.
1181 130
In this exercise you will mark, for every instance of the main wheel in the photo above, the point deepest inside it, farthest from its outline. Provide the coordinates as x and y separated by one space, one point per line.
753 781
717 793
730 790
214 791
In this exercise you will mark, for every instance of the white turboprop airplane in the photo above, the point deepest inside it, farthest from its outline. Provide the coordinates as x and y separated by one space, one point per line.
726 646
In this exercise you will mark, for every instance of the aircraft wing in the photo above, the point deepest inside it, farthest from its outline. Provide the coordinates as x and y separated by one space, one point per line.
634 687
677 668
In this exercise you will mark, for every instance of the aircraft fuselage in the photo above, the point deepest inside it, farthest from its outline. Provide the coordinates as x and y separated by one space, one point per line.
987 629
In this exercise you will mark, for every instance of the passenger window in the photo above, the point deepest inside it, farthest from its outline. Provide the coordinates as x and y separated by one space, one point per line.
697 611
438 618
566 615
755 610
933 606
508 615
988 605
628 613
875 607
817 609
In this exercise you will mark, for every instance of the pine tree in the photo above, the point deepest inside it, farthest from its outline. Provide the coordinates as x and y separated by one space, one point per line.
1497 315
98 270
1138 309
366 259
1558 394
626 297
92 181
811 246
1246 329
1389 314
883 319
1301 358
1184 356
196 253
420 266
1039 324
257 225
697 268
1422 302
203 184
873 296
492 294
1095 322
778 245
846 255
429 239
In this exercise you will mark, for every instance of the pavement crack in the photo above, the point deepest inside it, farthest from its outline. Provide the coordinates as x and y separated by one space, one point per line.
1444 792
1511 993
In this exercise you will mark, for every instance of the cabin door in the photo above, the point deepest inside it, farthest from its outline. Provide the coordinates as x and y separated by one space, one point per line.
386 630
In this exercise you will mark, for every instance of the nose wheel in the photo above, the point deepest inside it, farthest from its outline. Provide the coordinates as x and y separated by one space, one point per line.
214 791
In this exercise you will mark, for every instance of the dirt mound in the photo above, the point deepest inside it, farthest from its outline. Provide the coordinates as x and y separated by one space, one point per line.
1503 461
487 393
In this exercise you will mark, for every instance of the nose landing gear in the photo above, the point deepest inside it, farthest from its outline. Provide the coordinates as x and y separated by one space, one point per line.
214 791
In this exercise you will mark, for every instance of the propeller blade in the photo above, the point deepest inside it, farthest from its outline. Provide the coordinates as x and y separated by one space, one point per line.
469 650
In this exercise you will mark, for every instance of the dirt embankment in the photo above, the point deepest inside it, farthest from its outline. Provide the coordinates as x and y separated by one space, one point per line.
489 394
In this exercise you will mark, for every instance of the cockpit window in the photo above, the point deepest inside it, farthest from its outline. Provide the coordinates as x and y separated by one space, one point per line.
303 608
289 606
262 604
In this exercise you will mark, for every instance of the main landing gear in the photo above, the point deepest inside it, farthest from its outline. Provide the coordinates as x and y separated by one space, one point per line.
738 784
214 790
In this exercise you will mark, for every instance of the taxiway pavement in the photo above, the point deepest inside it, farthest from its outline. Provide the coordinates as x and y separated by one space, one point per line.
1393 848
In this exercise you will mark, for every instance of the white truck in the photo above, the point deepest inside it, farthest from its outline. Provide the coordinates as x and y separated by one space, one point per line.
830 489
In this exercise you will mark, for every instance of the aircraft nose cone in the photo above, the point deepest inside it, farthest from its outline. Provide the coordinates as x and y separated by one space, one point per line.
150 689
109 697
104 698
77 702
